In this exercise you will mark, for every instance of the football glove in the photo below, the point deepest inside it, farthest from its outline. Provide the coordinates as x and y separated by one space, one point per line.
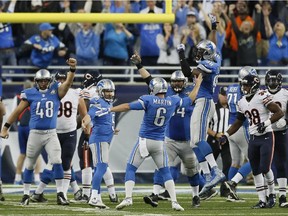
261 127
223 139
180 48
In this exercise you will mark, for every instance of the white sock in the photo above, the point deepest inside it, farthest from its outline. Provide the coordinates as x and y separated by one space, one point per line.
195 190
66 181
282 183
237 178
74 186
109 181
99 197
259 184
129 185
26 188
41 187
204 167
18 177
86 180
170 187
36 177
59 185
270 182
156 189
211 160
94 194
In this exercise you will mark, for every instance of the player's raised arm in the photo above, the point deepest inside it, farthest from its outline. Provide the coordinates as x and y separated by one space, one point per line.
183 62
198 80
136 59
62 90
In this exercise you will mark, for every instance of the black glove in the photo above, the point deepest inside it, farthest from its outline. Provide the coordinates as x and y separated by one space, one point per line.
261 127
85 143
223 139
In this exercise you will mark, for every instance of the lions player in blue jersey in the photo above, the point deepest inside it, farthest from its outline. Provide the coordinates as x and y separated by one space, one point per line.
158 111
209 62
101 136
44 101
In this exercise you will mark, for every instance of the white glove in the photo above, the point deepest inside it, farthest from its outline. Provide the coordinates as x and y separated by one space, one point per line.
281 123
180 47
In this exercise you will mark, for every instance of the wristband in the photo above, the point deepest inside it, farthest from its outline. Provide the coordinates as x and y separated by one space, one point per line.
139 66
7 125
73 70
267 122
226 134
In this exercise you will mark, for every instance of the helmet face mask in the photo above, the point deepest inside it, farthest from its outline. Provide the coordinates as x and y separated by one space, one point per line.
250 85
42 80
178 81
106 89
273 81
157 86
205 50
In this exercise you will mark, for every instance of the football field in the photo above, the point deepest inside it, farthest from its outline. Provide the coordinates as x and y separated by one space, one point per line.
216 206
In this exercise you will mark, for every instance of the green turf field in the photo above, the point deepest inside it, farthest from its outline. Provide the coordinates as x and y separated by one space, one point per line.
215 206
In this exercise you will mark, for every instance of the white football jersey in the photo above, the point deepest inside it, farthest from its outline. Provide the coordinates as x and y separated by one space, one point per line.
88 93
281 98
256 111
67 114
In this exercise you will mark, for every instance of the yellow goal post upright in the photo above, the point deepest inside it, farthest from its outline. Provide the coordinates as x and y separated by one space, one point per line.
167 17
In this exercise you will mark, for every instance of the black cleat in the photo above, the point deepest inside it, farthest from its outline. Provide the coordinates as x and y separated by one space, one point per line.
196 201
114 199
283 202
164 196
271 201
259 205
38 198
151 200
231 186
61 200
78 195
208 194
25 200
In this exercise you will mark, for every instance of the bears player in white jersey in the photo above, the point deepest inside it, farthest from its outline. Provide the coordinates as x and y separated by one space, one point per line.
87 93
158 111
273 82
70 104
256 106
209 62
2 113
44 100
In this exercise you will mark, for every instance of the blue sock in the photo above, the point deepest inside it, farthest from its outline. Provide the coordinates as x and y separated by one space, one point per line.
194 180
232 172
46 176
175 172
58 171
245 169
28 176
202 181
157 178
130 172
73 177
97 178
205 148
198 154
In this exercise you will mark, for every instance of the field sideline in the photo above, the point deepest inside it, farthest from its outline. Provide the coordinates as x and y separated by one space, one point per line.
216 206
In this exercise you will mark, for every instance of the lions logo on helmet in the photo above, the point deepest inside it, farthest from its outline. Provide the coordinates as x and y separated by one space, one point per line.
205 50
273 81
42 75
106 89
157 86
251 81
178 81
244 71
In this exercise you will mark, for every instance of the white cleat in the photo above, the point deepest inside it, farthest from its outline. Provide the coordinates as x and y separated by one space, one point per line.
97 203
124 203
176 206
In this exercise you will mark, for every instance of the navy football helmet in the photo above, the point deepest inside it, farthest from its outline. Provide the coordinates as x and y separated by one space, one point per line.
158 85
253 82
91 78
273 81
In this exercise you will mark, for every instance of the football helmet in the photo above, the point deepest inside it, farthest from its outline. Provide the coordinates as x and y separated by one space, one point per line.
273 81
60 75
205 50
178 76
253 82
158 85
244 71
42 74
91 78
106 85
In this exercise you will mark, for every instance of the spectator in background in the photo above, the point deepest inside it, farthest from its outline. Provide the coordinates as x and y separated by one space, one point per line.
167 42
7 49
283 13
180 10
2 113
278 41
43 46
246 37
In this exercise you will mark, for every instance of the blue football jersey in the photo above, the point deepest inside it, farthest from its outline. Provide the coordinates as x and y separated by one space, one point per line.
210 79
158 112
43 107
103 126
178 127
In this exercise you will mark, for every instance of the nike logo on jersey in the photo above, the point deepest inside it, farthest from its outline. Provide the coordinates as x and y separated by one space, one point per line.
71 135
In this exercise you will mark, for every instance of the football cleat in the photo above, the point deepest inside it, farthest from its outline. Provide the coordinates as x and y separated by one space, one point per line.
164 196
126 202
259 205
114 199
271 201
38 198
218 177
232 198
196 201
283 202
25 200
61 200
97 203
176 206
151 200
208 194
1 194
78 195
231 186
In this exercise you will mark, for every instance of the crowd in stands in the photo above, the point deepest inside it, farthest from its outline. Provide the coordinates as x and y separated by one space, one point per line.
250 33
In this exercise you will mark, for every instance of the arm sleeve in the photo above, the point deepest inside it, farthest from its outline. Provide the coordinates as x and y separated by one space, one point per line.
148 79
184 65
241 116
